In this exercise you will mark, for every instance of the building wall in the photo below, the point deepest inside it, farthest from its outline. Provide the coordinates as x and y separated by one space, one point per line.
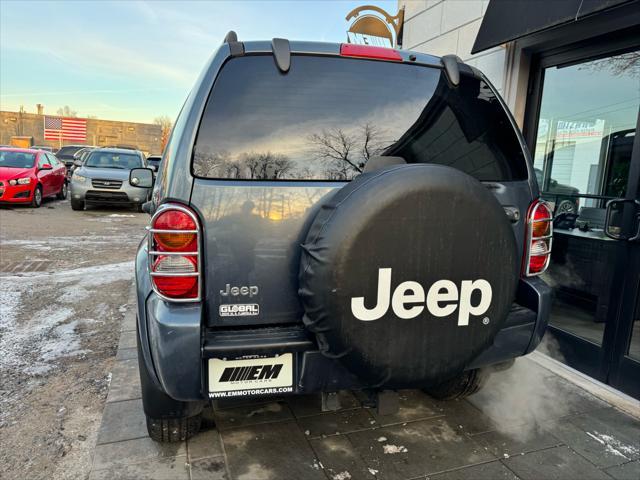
442 27
145 137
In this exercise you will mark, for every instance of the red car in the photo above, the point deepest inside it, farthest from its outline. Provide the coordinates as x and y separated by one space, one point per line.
28 176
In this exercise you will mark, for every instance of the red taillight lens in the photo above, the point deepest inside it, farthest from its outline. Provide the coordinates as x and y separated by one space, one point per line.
367 51
174 253
539 238
177 231
185 284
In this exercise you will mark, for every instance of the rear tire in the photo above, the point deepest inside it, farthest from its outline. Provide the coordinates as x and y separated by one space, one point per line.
62 194
169 430
465 384
77 204
37 197
168 420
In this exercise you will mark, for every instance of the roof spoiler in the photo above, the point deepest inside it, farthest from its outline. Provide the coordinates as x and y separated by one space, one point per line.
452 68
236 47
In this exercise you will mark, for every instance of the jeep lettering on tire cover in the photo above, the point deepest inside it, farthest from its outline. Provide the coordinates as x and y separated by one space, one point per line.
408 273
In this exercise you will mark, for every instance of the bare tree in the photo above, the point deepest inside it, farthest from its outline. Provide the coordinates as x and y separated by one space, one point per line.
66 112
165 125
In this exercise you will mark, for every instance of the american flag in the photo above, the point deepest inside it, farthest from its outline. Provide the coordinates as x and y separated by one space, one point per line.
63 128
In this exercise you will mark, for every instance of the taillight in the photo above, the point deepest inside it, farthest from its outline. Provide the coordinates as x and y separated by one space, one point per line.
539 237
174 254
367 51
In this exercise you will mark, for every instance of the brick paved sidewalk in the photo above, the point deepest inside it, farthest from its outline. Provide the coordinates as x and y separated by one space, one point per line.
530 423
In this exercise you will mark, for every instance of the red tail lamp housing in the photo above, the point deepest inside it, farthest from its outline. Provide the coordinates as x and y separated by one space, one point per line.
174 254
539 237
367 51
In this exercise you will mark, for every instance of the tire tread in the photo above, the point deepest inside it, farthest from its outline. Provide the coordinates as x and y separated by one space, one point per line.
171 430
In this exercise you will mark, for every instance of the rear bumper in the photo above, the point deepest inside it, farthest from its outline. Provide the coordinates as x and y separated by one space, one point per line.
176 350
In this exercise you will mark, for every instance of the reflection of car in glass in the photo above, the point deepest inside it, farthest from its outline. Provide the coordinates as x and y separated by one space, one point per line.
102 179
557 192
318 229
28 176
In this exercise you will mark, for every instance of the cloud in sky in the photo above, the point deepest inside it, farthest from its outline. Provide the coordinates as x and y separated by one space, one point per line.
145 55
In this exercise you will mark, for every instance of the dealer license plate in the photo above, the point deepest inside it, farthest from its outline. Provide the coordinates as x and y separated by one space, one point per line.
249 377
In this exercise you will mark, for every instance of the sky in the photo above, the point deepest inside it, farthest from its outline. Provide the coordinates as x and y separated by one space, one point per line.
137 60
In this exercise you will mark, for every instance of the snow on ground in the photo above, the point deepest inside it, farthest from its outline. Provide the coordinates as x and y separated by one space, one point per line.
33 342
57 243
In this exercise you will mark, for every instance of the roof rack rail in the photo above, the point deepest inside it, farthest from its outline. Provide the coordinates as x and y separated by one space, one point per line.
451 68
281 53
236 47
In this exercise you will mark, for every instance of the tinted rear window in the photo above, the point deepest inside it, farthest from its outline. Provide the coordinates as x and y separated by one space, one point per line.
327 116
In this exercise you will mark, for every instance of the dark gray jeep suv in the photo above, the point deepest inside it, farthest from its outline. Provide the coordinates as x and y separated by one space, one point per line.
333 217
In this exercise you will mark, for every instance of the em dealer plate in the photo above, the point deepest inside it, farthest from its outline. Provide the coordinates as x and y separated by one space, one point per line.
248 377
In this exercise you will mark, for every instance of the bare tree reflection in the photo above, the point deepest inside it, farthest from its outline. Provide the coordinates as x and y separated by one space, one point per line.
333 154
345 154
624 64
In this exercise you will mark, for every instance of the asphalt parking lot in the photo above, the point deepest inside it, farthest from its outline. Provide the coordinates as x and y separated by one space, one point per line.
70 400
64 279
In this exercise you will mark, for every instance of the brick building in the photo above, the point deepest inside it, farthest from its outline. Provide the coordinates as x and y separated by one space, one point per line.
144 136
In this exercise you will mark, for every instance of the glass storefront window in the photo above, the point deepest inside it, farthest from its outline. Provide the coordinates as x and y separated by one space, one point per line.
582 154
586 130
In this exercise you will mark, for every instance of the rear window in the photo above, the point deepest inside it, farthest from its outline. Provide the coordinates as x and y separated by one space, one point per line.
325 118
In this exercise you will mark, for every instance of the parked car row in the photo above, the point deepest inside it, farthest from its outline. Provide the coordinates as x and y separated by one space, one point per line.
92 175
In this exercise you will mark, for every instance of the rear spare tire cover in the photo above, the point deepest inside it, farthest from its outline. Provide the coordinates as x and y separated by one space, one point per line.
433 227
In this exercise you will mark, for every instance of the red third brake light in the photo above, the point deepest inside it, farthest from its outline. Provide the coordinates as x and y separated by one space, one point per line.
174 253
539 237
367 51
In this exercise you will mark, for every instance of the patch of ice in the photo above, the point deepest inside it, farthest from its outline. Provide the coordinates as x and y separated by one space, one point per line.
382 439
372 471
63 342
120 215
393 449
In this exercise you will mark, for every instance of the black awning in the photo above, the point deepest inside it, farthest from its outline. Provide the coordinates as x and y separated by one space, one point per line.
507 20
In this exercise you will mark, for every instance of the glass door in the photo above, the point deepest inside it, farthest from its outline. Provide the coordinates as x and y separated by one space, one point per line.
586 155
